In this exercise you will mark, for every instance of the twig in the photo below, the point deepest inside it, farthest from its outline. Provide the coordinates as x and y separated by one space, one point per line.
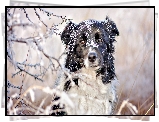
35 76
26 15
39 17
147 111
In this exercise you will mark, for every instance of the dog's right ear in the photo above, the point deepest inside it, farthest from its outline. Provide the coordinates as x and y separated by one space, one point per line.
66 34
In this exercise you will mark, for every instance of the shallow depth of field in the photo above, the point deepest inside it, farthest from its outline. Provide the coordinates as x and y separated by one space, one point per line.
134 55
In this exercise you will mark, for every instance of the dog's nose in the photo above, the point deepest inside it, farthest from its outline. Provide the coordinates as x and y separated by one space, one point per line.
92 57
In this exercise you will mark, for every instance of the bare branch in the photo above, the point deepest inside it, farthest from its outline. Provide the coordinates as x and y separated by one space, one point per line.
27 15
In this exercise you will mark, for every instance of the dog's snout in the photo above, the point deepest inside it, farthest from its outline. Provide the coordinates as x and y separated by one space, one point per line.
92 57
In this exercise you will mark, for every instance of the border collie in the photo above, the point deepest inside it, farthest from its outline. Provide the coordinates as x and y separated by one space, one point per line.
89 55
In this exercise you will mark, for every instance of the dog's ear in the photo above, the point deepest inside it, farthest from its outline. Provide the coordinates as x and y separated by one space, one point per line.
112 30
110 27
66 34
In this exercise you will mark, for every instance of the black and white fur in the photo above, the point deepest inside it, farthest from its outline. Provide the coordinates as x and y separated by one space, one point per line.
89 46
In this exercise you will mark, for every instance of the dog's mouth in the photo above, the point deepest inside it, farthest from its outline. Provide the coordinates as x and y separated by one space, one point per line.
88 64
93 65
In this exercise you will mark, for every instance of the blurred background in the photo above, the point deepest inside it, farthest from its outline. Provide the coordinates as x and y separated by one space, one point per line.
134 51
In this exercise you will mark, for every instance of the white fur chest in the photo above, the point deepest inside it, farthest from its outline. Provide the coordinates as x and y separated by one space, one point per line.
92 96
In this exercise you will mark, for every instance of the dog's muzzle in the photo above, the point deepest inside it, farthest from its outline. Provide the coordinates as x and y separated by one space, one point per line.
93 58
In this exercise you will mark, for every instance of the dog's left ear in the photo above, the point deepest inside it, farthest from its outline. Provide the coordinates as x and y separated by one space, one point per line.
110 27
112 30
66 34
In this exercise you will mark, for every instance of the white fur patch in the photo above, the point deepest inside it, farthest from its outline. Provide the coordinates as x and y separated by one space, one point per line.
91 95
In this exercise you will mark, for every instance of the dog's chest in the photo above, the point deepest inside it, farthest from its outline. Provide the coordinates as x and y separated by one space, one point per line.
91 85
93 95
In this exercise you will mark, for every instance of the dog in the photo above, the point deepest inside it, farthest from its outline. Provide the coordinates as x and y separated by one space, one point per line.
89 55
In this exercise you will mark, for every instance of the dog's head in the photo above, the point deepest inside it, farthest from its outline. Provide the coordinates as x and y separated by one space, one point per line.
90 45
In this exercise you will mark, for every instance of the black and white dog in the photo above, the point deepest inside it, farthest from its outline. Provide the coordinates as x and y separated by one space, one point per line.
90 48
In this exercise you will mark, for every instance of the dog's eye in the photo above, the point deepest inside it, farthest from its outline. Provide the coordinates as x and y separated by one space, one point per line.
99 40
96 36
82 42
67 36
